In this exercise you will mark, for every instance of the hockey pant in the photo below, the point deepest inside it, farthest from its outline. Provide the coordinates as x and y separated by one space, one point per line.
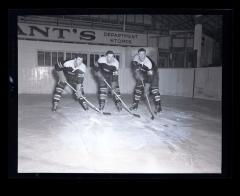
103 88
59 90
154 90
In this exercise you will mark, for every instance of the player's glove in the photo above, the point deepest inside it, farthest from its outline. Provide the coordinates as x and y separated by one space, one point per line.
150 73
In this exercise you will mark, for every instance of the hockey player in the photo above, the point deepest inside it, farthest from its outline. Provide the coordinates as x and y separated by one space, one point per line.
107 67
73 72
145 70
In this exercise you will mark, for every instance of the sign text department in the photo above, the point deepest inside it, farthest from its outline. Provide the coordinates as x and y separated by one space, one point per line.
43 32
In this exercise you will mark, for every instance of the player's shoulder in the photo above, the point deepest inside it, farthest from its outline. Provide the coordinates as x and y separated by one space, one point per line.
149 59
136 57
82 67
102 59
68 63
116 62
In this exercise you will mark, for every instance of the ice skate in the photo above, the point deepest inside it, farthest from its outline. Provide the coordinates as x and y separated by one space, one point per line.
54 108
134 106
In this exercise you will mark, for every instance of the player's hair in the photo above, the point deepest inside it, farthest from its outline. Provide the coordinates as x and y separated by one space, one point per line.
109 52
141 50
79 56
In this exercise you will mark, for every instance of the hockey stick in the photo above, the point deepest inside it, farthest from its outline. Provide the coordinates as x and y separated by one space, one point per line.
105 113
125 106
148 103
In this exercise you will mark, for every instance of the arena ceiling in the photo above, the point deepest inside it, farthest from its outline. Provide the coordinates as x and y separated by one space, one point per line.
212 24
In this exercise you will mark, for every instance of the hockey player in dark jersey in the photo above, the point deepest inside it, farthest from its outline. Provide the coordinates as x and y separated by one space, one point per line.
144 69
71 71
107 67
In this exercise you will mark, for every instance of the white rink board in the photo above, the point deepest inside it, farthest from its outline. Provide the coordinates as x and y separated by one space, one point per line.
33 79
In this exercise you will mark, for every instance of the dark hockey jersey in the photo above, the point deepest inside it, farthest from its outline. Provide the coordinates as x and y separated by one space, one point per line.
144 66
72 71
106 67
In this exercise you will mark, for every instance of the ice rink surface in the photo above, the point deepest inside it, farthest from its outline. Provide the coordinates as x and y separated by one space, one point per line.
185 138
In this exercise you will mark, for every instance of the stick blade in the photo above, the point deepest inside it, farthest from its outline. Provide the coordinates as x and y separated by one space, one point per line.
106 113
137 115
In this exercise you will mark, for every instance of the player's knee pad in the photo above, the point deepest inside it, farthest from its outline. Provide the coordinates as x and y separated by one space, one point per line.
103 93
117 91
103 90
154 90
56 97
61 84
138 91
157 97
58 91
59 88
140 87
137 98
155 93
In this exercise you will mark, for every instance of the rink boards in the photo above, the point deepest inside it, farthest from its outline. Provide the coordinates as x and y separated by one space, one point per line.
37 77
36 60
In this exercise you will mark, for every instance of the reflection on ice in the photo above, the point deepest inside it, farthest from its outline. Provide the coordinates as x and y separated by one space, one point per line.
72 140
